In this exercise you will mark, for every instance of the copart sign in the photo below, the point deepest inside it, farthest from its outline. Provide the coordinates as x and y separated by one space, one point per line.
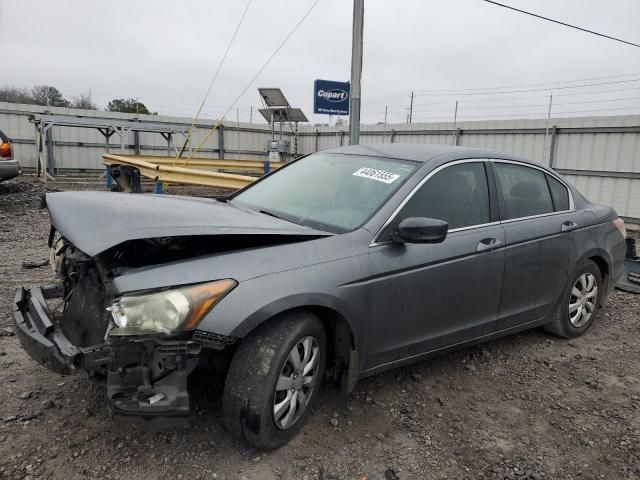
331 98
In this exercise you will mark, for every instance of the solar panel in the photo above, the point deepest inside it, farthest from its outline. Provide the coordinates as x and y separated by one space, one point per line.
279 114
273 97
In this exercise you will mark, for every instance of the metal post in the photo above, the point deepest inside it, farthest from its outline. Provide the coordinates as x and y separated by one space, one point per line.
169 143
238 125
42 161
455 119
50 159
221 141
411 109
552 148
546 131
356 72
36 134
107 171
136 142
316 141
251 115
122 132
393 133
384 129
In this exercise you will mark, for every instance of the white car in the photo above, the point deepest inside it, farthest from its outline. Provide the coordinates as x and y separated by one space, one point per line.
9 167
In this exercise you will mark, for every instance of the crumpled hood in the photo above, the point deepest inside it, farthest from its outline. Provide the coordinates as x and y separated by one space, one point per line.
96 221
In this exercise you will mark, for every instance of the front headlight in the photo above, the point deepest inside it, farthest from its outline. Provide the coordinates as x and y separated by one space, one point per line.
169 311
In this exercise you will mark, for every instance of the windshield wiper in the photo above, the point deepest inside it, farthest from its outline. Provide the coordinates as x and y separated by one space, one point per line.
271 214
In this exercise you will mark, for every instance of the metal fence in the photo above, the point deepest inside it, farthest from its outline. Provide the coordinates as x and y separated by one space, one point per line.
599 155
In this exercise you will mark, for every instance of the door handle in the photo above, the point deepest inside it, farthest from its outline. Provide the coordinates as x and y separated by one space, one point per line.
568 226
488 244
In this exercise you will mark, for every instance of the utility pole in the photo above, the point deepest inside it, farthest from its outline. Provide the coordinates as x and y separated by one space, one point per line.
455 120
356 72
546 131
238 125
384 129
411 109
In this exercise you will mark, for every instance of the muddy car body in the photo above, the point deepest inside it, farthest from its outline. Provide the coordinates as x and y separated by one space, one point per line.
356 259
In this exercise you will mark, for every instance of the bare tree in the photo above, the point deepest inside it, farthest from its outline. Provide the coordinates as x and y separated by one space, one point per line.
83 101
48 96
15 95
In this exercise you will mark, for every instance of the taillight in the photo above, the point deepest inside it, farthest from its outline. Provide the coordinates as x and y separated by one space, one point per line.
618 222
5 150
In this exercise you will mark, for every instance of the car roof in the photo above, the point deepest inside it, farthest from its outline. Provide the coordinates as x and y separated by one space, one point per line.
425 153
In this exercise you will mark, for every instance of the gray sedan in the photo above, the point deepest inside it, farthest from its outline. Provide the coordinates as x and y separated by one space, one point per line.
339 265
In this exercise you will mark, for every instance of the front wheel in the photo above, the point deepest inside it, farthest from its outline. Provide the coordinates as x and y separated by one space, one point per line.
274 378
579 304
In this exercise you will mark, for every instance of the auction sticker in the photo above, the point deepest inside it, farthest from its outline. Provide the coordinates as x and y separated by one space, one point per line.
375 174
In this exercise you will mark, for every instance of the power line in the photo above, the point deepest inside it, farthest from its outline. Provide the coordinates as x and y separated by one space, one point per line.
562 23
215 76
480 102
421 93
257 74
523 85
494 107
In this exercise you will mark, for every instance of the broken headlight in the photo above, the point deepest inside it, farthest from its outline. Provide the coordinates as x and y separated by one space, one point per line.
169 311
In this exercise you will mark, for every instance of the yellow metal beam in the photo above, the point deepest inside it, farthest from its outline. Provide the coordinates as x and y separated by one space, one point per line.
248 166
182 175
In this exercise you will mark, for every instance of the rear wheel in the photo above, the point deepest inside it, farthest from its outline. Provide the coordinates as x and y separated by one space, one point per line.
274 378
579 304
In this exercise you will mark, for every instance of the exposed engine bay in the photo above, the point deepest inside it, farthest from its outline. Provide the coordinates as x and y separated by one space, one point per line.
130 294
145 375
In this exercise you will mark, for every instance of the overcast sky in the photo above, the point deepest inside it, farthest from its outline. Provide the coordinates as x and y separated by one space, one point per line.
165 53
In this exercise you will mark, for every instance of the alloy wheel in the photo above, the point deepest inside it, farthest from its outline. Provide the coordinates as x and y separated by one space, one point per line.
296 382
582 301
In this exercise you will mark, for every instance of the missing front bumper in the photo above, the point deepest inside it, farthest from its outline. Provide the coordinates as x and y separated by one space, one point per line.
146 377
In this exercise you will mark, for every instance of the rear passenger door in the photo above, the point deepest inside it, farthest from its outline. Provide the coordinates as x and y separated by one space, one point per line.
542 239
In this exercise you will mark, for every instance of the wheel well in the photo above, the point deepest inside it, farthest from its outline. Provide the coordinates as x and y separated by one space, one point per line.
603 266
340 340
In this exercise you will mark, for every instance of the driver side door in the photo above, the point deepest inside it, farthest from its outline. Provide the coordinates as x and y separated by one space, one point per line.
424 297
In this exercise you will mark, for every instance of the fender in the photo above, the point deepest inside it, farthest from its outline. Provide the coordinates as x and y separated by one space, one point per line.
301 300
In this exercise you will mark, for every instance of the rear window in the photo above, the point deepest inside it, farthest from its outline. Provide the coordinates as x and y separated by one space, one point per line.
559 194
523 191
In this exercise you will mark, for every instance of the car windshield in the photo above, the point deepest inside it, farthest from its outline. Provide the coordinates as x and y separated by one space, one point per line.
333 192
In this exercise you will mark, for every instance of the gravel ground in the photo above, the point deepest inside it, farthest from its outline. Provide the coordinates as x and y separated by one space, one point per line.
530 406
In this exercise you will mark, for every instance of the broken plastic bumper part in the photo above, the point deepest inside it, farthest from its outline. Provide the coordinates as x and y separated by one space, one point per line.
146 377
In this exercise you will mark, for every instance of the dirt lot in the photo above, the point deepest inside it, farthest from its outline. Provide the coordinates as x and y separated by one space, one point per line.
530 406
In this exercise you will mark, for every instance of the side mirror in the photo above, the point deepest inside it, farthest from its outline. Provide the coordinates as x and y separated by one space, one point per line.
420 230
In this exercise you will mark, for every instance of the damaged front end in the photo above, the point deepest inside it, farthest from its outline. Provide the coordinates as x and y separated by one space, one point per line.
141 345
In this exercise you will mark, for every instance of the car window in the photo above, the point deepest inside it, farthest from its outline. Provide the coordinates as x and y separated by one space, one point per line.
457 194
523 191
559 194
333 192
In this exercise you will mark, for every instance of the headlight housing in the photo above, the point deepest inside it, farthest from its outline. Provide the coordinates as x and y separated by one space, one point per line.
169 311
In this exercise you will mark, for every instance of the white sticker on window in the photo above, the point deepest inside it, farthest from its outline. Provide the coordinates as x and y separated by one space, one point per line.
375 174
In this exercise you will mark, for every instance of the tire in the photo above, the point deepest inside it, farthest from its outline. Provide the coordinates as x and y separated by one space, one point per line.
259 363
567 324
